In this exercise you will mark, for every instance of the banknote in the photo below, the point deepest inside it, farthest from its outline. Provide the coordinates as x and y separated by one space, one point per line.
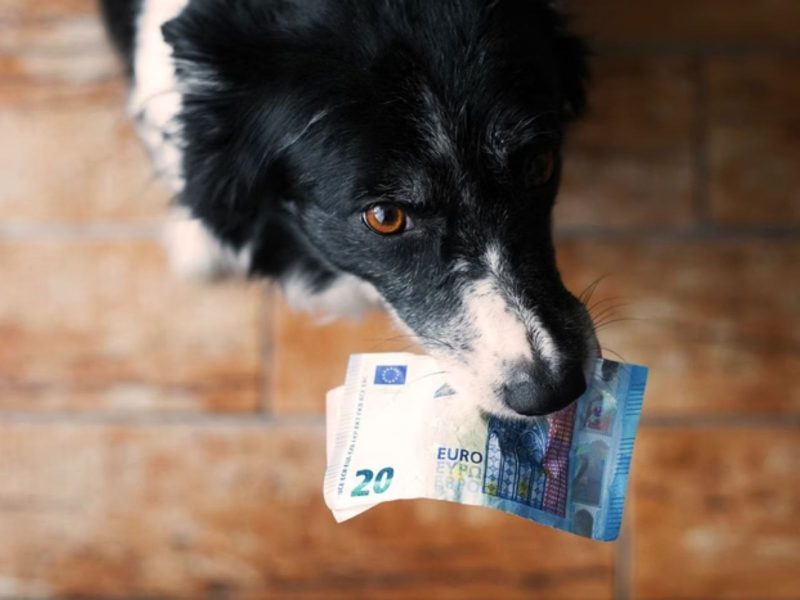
398 430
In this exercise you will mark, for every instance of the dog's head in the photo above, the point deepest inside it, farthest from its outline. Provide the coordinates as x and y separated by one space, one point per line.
415 145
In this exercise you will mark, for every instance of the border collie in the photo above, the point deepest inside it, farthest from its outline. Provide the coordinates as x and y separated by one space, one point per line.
403 153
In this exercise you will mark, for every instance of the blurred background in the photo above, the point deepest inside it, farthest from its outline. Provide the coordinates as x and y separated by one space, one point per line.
161 439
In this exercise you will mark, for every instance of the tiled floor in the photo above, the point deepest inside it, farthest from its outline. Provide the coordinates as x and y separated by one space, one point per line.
160 439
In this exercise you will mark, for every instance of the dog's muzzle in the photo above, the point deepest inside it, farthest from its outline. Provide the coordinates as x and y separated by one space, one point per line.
534 388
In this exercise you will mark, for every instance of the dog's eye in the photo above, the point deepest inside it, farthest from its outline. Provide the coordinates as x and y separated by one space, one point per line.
540 168
386 219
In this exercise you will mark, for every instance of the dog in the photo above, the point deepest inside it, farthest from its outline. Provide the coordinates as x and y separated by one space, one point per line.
396 153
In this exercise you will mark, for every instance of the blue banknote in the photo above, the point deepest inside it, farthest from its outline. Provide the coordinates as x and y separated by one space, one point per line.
390 439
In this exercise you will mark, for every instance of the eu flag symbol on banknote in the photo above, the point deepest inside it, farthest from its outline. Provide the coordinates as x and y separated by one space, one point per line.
390 374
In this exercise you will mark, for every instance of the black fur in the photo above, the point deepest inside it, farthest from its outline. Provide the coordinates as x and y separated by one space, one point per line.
119 17
297 114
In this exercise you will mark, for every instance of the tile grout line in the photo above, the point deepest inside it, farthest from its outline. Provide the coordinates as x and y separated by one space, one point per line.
695 233
716 50
621 579
775 421
158 419
79 232
268 331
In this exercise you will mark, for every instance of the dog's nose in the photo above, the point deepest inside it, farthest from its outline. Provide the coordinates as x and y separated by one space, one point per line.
534 390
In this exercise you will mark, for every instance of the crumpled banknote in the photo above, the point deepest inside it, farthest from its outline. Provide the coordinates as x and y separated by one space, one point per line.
397 430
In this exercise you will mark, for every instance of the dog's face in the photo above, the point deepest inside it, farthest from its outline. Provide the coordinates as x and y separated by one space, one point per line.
420 153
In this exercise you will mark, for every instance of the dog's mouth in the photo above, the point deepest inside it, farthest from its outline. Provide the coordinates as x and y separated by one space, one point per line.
514 365
512 350
525 389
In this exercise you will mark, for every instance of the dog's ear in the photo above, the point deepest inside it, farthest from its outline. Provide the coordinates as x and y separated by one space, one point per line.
571 54
542 29
246 98
219 162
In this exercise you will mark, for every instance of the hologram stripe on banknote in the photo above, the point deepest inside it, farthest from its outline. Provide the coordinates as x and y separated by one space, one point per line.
629 423
528 462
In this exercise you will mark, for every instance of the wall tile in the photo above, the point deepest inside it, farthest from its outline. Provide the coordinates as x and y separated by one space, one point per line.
754 140
197 510
103 325
628 163
715 320
715 514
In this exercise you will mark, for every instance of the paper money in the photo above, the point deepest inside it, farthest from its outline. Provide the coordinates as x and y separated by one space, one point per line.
398 430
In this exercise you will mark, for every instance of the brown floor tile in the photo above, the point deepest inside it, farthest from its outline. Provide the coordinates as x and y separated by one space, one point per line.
712 22
54 52
79 163
304 347
754 140
715 321
194 510
715 514
101 325
34 28
629 161
68 153
24 11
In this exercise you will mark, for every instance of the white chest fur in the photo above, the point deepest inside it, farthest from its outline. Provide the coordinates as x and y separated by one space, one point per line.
155 99
154 103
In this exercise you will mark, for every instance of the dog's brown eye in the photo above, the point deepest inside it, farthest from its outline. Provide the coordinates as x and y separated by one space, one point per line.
540 168
385 218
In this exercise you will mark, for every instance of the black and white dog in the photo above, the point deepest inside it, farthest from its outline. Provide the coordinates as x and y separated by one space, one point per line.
361 152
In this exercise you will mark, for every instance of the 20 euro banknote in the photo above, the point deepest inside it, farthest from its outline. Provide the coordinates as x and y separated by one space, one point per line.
398 430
